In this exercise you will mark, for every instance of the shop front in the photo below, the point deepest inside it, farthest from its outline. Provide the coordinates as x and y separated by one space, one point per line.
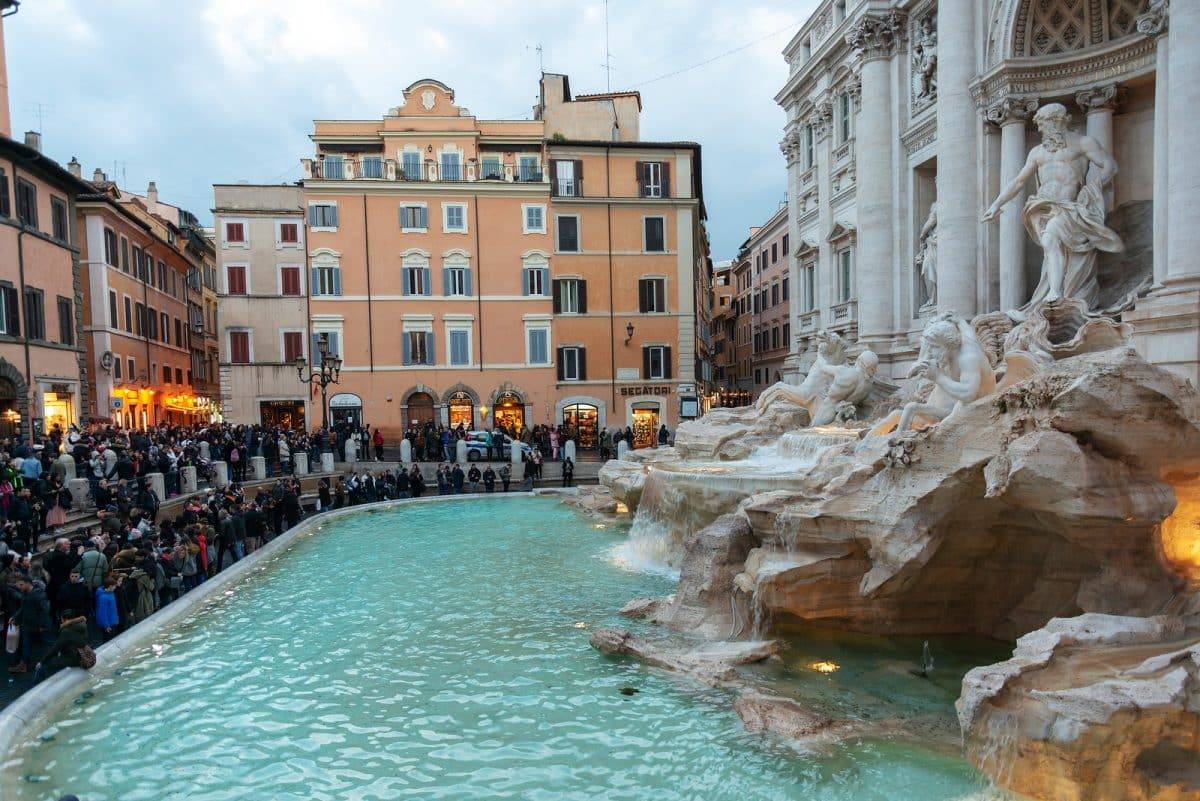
282 413
10 408
460 410
509 412
582 421
646 420
345 408
58 406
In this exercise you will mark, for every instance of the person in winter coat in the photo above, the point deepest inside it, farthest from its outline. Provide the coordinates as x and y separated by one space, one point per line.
505 475
144 586
33 617
568 472
377 440
93 566
73 595
72 636
108 619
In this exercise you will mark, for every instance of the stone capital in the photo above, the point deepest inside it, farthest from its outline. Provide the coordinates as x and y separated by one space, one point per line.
821 118
1100 98
1155 21
1010 110
876 35
790 146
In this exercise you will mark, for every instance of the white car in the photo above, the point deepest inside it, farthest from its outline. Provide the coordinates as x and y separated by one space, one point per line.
477 446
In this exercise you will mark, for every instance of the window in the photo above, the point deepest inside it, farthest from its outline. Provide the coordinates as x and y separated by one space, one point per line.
491 168
460 347
27 203
844 274
652 295
151 323
293 345
117 364
323 216
418 347
58 218
289 281
774 337
110 247
166 374
528 169
451 167
810 287
128 315
35 314
131 368
572 364
239 347
289 233
333 341
784 288
411 165
235 233
112 310
456 280
372 167
568 234
809 156
568 175
655 234
653 180
570 296
235 279
536 280
66 321
179 333
454 218
5 208
326 277
537 345
787 335
162 276
775 294
164 327
774 252
124 254
333 168
535 219
137 261
656 362
414 218
785 244
416 278
179 375
844 117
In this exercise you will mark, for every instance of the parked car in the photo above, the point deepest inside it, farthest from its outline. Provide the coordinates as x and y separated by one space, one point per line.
477 446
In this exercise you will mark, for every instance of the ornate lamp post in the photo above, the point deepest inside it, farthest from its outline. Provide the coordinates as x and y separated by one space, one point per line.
322 374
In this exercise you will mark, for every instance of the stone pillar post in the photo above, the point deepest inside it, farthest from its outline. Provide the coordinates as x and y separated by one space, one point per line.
1183 183
405 451
1099 105
300 463
874 39
569 450
460 451
68 463
958 127
351 450
79 488
792 146
187 480
327 462
1010 114
1162 176
156 482
622 449
258 468
514 455
220 474
205 453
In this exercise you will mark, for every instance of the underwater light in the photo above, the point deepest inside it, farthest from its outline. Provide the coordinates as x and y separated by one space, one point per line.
824 666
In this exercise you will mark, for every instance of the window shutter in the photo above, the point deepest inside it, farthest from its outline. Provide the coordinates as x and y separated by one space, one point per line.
578 178
582 364
666 182
313 353
333 216
645 362
314 281
404 276
407 349
545 271
555 290
582 298
312 221
641 177
430 357
337 281
445 280
425 281
467 282
422 219
558 358
666 362
553 177
643 295
11 312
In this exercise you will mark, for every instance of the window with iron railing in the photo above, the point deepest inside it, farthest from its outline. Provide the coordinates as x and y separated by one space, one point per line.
372 167
333 168
528 169
491 169
410 166
451 167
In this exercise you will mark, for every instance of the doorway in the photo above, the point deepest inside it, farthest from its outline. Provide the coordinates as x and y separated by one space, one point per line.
582 420
346 408
420 409
645 425
461 410
510 412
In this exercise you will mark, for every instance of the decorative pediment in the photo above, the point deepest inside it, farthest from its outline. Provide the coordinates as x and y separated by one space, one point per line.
808 246
841 230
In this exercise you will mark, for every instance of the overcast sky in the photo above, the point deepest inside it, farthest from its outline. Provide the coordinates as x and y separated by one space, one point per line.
195 92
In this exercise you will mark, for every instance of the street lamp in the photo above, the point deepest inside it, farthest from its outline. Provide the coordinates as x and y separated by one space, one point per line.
326 373
628 332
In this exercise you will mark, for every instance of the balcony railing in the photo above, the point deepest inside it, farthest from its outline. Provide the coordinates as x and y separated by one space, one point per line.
448 171
379 168
566 187
529 173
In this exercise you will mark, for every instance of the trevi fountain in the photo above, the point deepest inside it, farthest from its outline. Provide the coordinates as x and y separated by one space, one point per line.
1033 480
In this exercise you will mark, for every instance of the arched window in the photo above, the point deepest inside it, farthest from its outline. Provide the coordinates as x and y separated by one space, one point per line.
415 274
456 274
326 276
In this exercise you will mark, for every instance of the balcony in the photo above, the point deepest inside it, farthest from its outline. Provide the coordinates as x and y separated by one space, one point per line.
810 320
845 313
529 173
566 187
379 168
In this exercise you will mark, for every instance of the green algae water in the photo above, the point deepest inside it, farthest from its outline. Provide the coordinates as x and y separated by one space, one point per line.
440 651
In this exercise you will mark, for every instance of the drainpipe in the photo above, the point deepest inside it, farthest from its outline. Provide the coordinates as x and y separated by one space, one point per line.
367 255
24 339
146 323
479 289
612 323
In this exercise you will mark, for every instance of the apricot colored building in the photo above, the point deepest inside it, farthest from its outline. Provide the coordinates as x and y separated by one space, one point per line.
513 272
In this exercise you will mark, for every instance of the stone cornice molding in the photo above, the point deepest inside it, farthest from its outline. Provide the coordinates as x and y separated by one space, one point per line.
920 136
1155 21
1100 98
876 35
1010 110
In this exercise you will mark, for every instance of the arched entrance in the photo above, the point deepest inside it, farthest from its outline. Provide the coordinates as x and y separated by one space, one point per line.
582 420
345 408
420 409
509 411
646 420
10 408
460 410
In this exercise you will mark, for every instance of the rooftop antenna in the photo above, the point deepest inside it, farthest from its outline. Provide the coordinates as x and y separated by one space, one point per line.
541 56
119 167
607 53
40 110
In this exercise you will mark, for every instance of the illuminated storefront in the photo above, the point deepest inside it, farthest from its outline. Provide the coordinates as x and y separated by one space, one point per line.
59 405
461 410
509 411
283 413
583 421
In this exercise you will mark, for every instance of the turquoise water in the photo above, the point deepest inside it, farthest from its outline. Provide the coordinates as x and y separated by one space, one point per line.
440 651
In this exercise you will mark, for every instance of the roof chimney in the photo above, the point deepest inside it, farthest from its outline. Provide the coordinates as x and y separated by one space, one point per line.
152 198
98 177
33 139
74 167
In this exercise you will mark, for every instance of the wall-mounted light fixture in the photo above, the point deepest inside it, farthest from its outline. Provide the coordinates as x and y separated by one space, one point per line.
628 332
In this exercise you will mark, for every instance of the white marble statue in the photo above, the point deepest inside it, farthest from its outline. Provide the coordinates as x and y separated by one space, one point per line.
850 386
924 62
1066 213
927 256
831 353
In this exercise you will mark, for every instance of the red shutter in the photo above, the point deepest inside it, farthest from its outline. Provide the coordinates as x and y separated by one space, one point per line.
641 177
290 278
666 179
289 233
293 345
239 347
236 278
234 232
554 178
578 178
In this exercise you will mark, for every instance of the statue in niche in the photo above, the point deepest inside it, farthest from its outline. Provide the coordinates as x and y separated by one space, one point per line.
831 353
924 63
927 256
1066 213
953 359
849 386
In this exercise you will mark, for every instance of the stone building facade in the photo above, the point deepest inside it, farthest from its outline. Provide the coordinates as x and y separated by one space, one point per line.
770 305
895 105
